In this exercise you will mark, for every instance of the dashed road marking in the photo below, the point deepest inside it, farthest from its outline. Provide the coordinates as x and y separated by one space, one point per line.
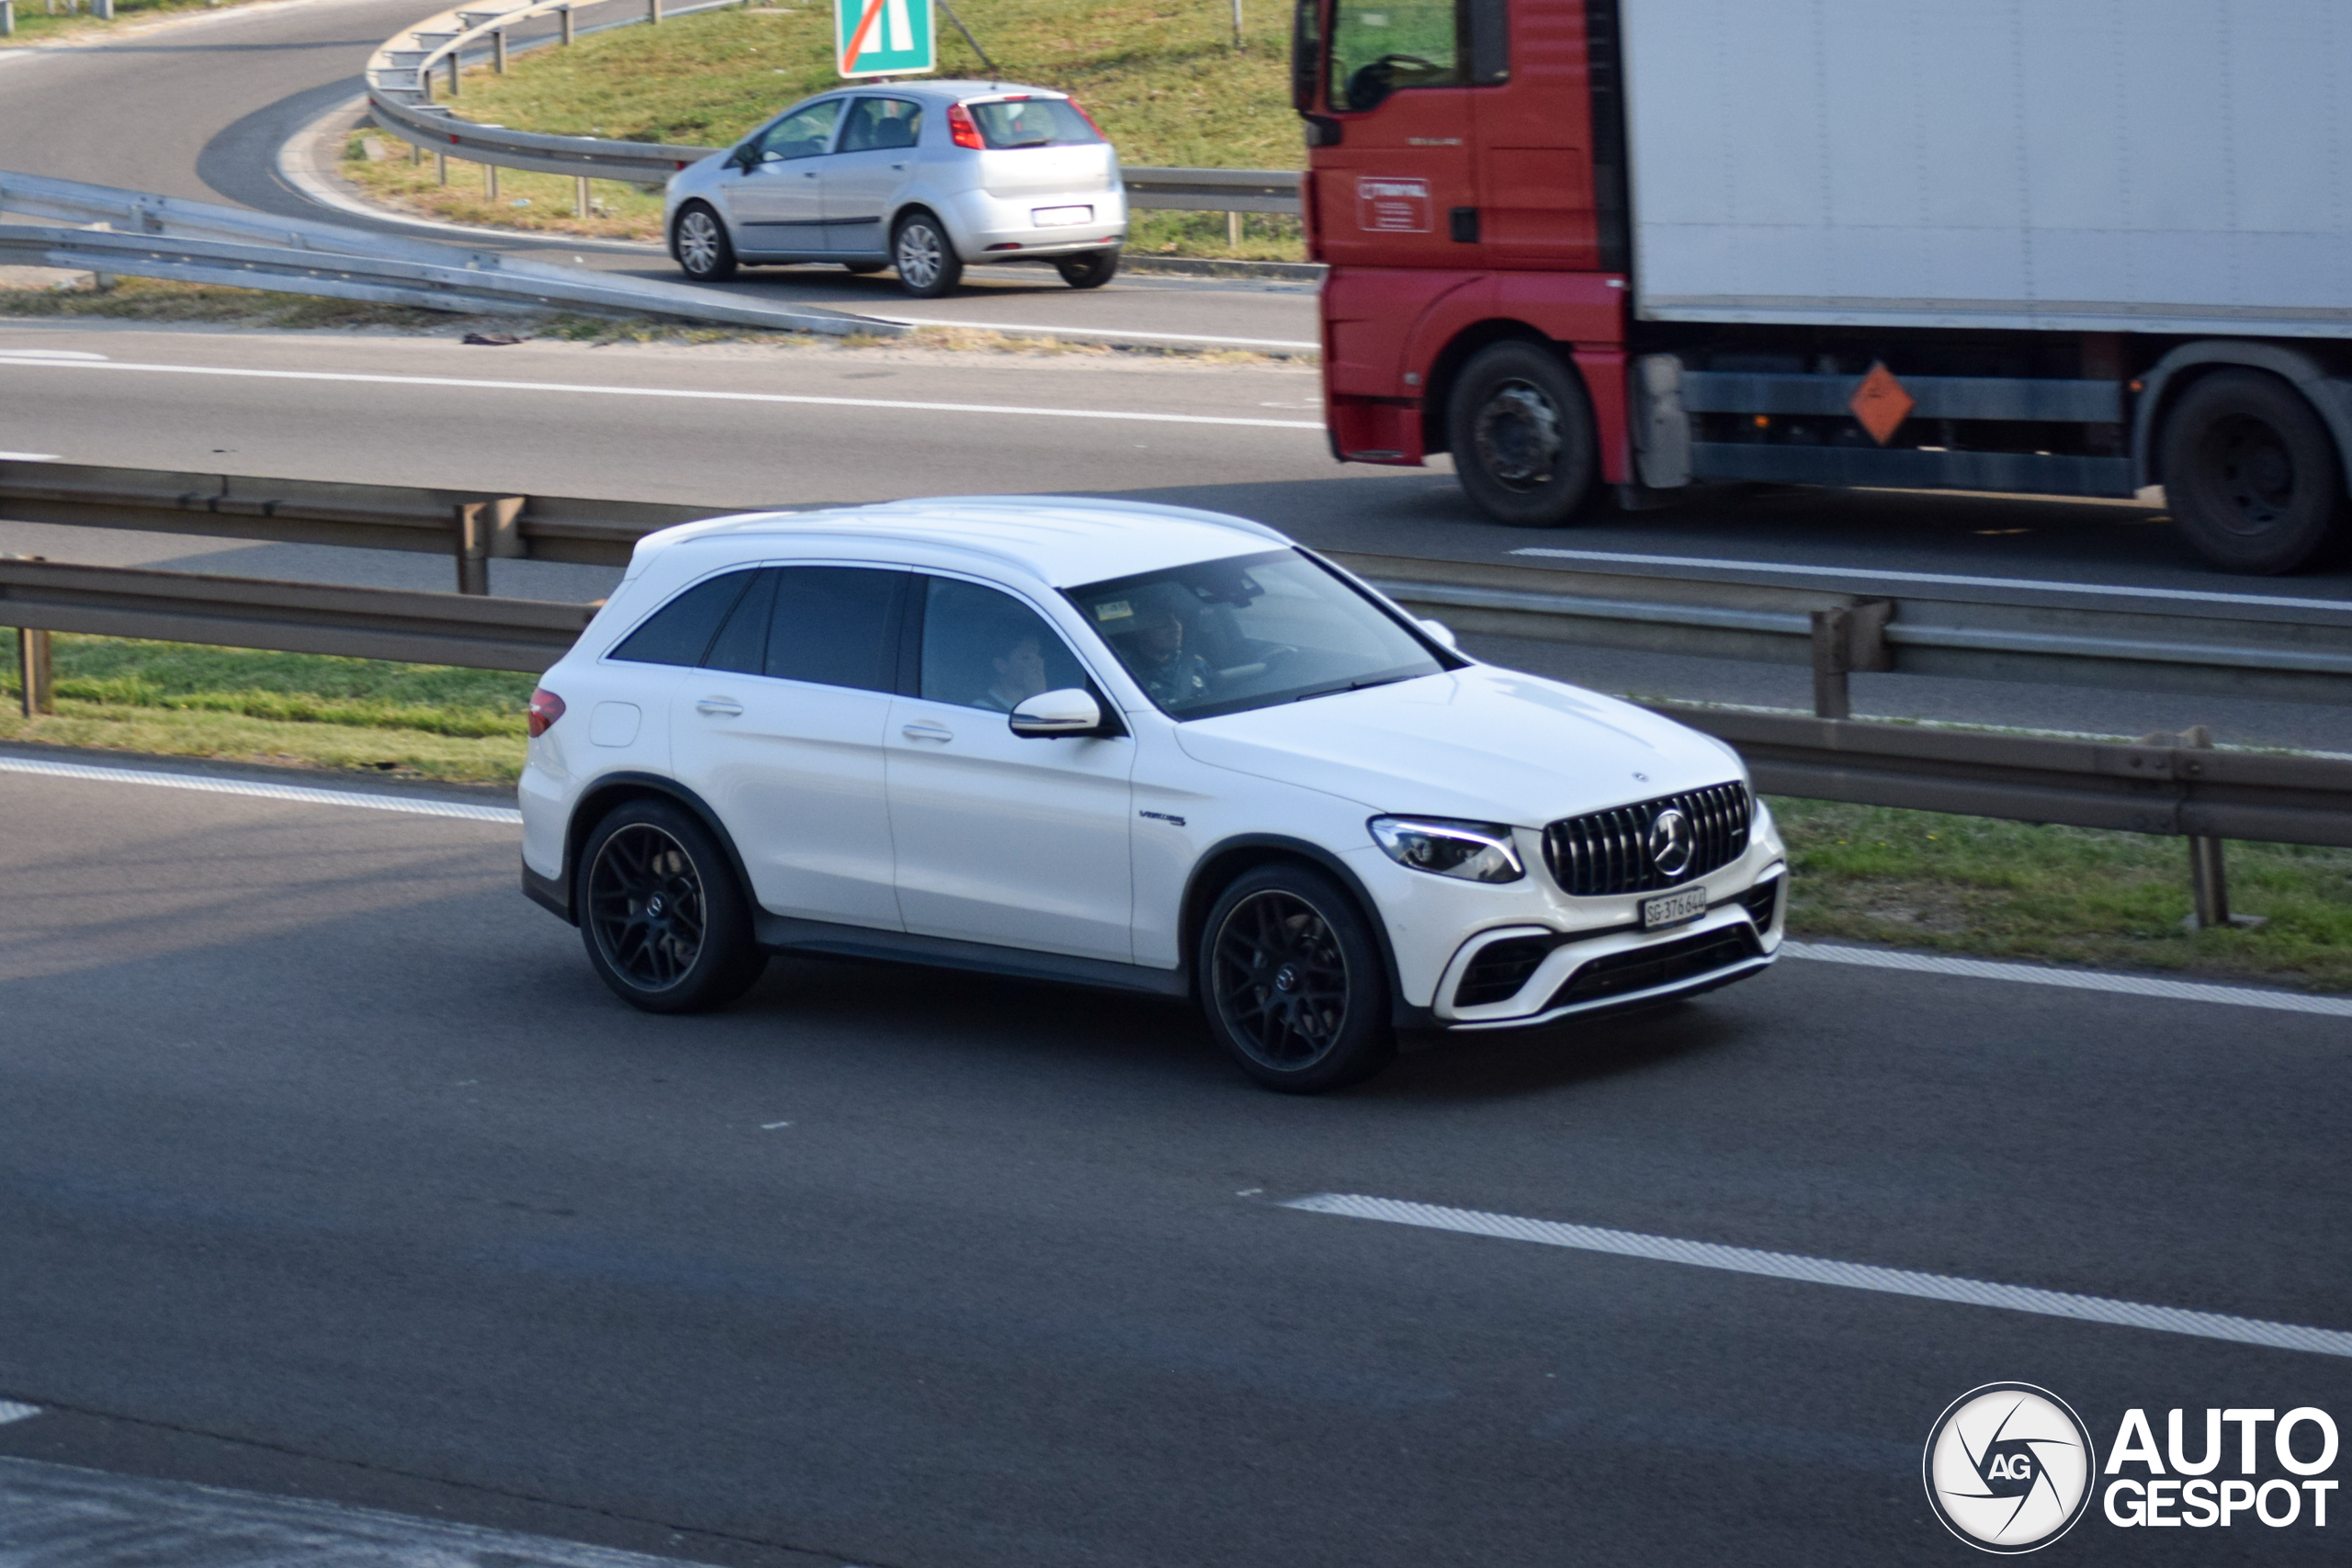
12 1411
1831 1272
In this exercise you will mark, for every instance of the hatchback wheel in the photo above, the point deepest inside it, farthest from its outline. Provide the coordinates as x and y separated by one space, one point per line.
665 923
1292 980
700 244
926 257
1091 270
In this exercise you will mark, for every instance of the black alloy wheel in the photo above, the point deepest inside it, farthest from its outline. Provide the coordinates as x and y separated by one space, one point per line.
2252 475
1520 427
665 925
1091 270
1293 982
926 257
699 243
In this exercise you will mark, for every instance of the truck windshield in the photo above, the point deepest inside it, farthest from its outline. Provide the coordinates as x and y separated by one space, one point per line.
1378 46
1248 632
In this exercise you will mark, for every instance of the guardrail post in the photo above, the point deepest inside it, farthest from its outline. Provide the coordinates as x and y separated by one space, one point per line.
653 10
2208 881
579 195
8 18
1233 231
490 181
565 16
102 9
441 166
1845 640
35 675
453 73
486 531
498 51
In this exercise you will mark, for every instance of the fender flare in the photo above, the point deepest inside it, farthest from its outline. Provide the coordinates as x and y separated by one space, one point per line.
607 792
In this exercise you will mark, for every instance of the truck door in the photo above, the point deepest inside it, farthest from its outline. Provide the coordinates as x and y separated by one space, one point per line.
1400 77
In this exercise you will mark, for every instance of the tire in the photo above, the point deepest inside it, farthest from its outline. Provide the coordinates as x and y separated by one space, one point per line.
1520 427
698 241
665 923
926 257
2251 474
864 269
1291 982
1091 270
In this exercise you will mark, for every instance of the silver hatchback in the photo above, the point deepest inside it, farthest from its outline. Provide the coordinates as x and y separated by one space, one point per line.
928 178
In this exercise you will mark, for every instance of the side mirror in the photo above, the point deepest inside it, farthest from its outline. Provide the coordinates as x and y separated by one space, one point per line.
1072 711
1440 631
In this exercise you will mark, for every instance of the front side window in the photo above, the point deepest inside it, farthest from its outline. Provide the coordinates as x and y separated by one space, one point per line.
803 133
1250 632
1033 122
983 648
681 631
877 124
1378 46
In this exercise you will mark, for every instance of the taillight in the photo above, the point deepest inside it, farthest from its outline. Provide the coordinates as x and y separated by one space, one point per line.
546 708
961 128
1084 115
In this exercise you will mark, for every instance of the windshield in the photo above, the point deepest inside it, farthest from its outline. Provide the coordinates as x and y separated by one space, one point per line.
1248 632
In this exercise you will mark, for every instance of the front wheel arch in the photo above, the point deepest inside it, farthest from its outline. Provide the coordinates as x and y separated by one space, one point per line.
1235 857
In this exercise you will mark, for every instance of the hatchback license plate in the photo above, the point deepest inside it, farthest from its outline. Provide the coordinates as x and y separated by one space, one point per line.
1674 909
1061 216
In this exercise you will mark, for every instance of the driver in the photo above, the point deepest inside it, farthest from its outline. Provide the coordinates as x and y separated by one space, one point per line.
1170 675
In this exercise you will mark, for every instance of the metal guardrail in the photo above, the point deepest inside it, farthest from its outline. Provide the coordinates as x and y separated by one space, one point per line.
401 72
146 235
2306 659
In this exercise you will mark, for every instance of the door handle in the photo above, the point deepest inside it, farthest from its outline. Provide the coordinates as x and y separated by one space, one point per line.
927 732
726 705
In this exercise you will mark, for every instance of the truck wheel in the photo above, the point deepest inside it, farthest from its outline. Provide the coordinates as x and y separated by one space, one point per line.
2251 474
1520 427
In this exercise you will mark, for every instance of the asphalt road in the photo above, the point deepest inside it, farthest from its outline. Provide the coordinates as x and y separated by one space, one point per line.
203 110
330 1170
738 426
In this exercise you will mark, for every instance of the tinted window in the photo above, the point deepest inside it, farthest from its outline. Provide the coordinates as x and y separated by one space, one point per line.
836 626
986 649
681 631
877 123
804 133
1032 122
742 643
1248 632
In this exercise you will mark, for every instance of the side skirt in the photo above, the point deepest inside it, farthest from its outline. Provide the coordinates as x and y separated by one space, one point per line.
785 933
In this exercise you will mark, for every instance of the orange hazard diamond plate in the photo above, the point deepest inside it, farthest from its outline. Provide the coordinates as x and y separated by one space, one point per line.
1882 404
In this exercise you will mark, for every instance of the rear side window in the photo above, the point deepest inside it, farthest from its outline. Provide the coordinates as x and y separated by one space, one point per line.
742 643
836 626
876 124
681 631
1032 122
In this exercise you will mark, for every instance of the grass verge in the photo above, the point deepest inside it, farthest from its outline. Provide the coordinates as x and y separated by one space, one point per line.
1162 78
1913 879
43 25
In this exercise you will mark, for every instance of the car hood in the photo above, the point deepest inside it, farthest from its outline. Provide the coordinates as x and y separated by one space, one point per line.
1481 743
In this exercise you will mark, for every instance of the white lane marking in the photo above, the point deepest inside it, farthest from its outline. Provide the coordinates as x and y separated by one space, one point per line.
2191 596
473 383
1098 331
414 805
2072 979
772 1126
28 457
80 354
1831 1272
12 1411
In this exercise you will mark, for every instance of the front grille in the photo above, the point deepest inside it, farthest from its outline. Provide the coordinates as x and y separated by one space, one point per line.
1609 851
1500 969
1645 968
1759 901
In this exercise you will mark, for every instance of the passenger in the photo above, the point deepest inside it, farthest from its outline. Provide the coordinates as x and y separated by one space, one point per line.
1019 675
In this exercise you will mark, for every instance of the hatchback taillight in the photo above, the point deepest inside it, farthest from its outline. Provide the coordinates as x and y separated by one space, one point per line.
546 708
962 129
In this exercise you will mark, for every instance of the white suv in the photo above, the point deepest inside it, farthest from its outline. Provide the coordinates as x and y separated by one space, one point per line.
1121 745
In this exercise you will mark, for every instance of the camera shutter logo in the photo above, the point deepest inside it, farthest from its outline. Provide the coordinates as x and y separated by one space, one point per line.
2009 1468
1671 844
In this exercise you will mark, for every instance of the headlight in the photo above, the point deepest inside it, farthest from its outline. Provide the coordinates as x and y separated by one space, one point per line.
1474 852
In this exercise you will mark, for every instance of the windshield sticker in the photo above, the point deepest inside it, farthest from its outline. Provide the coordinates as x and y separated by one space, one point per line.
1113 610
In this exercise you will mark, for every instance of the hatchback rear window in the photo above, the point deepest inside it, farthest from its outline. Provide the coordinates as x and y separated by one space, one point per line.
1032 122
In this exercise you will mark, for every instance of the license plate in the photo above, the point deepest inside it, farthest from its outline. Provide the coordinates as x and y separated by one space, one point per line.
1061 216
1674 909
